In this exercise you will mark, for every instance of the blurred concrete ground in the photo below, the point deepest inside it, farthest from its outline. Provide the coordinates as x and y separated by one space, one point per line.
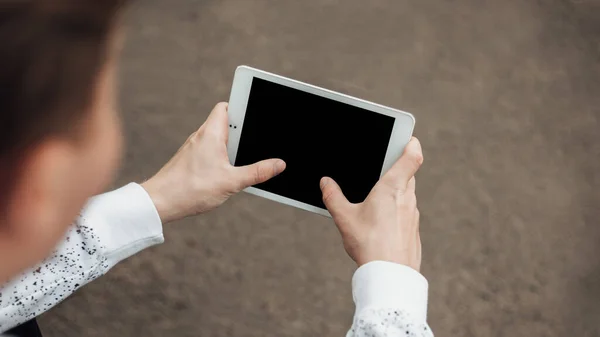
507 100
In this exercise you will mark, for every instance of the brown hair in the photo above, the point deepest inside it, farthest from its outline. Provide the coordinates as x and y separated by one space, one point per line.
51 52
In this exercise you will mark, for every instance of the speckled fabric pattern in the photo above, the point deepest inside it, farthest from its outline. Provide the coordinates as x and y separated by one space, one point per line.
108 232
81 258
112 227
386 323
76 262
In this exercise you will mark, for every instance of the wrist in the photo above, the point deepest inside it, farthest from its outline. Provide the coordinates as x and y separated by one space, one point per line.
159 201
413 263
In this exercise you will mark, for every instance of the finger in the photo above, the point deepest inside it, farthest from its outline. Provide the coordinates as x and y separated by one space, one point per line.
217 122
333 197
259 172
407 165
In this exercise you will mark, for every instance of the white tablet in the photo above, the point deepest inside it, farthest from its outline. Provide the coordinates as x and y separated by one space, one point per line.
317 132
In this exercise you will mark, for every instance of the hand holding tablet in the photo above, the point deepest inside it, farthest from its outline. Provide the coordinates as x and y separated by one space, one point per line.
339 151
317 132
199 177
385 227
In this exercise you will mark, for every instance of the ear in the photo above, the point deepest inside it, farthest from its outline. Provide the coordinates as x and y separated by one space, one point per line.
37 212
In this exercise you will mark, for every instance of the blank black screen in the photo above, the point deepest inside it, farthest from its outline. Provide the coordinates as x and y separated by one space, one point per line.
316 137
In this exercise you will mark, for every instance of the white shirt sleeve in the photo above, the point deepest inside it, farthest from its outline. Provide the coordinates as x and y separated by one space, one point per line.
391 300
112 227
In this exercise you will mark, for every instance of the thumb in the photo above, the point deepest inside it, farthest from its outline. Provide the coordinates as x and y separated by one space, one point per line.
333 197
260 172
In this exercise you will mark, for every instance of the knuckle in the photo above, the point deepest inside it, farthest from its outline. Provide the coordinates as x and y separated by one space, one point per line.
192 136
258 174
328 194
407 201
195 137
416 157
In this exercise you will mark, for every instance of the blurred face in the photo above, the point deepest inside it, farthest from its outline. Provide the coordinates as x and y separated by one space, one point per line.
57 178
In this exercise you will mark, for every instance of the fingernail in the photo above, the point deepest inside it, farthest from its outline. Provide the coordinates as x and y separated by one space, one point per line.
324 182
279 166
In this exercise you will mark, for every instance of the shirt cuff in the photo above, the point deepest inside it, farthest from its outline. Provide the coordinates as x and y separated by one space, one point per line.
381 284
125 220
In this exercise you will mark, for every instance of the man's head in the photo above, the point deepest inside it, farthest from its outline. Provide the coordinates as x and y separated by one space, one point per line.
59 131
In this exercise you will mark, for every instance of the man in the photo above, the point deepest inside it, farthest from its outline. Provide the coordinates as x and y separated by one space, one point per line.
61 144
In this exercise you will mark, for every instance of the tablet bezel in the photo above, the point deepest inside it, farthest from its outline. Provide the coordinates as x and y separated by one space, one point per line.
401 133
